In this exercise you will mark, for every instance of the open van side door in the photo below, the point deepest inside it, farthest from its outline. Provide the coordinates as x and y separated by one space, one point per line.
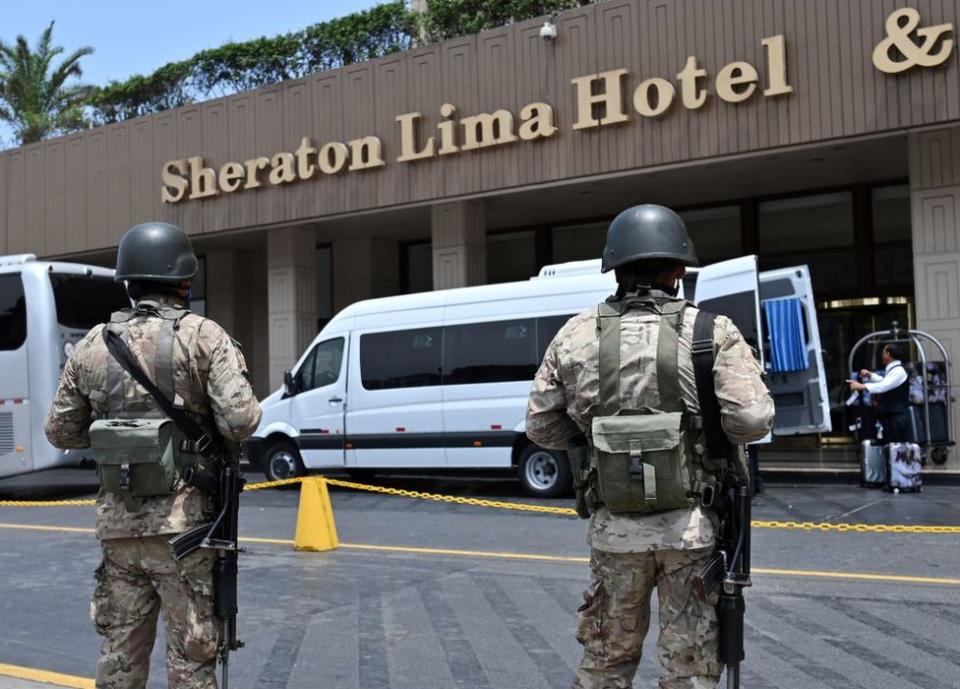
731 288
800 394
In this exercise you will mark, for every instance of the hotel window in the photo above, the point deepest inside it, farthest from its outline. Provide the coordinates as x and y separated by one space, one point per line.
511 256
892 242
715 232
814 230
579 242
324 266
416 267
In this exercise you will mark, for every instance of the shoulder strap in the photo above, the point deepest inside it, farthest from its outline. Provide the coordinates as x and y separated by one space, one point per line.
608 327
668 355
190 428
702 352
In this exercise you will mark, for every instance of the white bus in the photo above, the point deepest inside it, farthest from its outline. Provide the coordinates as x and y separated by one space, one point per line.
438 381
45 309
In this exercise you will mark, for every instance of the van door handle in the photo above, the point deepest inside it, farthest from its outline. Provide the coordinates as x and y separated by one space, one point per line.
336 400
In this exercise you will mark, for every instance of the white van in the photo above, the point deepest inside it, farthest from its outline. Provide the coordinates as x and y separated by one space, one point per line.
45 309
439 380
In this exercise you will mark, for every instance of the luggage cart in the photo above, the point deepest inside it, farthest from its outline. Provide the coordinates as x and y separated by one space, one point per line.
932 417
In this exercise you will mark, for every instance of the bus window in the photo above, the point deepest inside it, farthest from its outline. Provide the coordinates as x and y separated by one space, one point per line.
83 302
547 329
13 312
400 359
494 352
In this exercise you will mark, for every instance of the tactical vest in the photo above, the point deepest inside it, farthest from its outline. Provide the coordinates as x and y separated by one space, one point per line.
896 400
140 452
646 460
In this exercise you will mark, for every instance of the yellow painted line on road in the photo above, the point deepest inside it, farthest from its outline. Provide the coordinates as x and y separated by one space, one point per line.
898 578
41 527
569 559
45 676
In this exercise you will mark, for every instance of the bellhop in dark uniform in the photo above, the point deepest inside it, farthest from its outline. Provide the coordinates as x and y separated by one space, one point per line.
892 391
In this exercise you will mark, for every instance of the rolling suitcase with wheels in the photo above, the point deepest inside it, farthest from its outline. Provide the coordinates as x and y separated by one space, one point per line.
873 465
904 464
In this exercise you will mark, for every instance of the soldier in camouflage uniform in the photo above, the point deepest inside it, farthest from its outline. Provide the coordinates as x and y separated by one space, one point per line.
633 553
138 577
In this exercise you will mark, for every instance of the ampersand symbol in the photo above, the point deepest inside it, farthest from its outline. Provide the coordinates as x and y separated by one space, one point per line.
915 53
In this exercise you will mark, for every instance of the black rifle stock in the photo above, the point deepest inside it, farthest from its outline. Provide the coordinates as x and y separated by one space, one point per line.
221 535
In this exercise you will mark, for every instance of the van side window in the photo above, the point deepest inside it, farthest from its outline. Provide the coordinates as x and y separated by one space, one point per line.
13 312
400 359
494 352
547 329
322 365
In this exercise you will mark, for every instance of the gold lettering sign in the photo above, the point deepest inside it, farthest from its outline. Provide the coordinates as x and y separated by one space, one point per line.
907 46
601 99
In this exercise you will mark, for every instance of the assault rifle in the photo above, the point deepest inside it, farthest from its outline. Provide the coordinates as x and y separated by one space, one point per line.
729 569
221 535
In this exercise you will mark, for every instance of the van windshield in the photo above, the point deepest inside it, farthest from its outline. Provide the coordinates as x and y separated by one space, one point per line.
83 302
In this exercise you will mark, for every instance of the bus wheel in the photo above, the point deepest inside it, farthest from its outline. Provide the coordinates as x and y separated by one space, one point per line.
544 473
939 455
282 461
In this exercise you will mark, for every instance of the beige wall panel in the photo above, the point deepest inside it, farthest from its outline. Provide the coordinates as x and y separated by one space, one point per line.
271 206
461 172
535 73
36 196
75 168
166 146
390 78
496 63
144 191
359 115
298 123
937 211
18 235
579 151
329 193
55 197
118 172
425 88
216 141
242 207
191 213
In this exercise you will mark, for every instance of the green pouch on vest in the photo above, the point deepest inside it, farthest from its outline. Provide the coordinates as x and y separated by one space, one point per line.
136 457
643 462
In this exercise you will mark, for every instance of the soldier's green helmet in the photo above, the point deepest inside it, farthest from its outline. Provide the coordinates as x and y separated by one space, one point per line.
155 252
647 232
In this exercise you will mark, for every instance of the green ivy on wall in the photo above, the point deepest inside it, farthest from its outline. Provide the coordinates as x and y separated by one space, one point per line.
384 29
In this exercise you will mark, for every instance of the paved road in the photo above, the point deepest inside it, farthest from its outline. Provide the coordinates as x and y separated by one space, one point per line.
369 619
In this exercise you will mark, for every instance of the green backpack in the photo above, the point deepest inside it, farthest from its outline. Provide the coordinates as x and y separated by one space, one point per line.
645 460
145 450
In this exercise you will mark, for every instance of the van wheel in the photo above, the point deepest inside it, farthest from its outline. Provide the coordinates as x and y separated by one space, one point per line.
939 455
545 473
282 461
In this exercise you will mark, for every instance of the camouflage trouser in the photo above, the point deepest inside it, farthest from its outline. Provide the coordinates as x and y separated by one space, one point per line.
137 580
613 621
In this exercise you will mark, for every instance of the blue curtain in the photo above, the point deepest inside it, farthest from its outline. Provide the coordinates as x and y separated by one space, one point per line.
788 352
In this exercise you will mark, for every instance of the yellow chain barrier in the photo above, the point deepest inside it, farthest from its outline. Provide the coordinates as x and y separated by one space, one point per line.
542 509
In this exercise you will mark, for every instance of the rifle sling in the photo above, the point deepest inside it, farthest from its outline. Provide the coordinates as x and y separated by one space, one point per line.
704 357
200 441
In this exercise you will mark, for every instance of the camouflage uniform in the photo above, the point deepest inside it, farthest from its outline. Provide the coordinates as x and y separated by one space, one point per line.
633 553
138 577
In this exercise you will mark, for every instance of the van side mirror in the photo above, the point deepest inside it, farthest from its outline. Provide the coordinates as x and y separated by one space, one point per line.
289 384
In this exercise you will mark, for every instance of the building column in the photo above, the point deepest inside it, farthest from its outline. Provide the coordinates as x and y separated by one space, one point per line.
935 220
291 296
459 237
364 269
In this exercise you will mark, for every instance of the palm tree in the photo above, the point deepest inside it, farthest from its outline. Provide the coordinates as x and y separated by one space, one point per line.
33 97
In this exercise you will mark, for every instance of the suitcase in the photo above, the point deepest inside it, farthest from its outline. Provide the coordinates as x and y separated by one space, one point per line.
873 465
904 464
